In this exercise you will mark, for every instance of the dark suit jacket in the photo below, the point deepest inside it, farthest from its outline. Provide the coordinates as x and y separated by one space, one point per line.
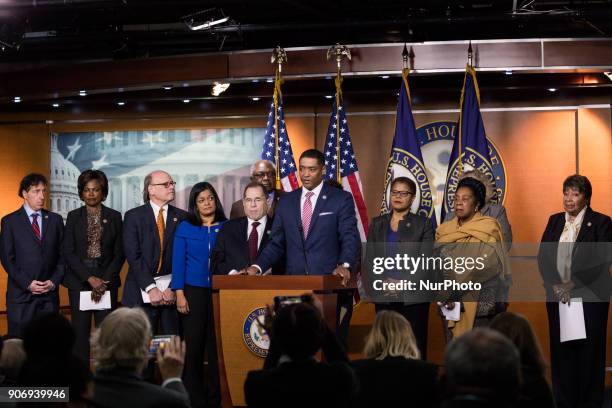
333 238
301 384
119 388
141 249
25 260
75 249
231 249
416 237
237 210
590 262
396 382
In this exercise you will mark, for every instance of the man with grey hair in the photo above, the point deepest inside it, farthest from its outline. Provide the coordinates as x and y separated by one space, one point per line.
121 347
148 237
482 369
263 172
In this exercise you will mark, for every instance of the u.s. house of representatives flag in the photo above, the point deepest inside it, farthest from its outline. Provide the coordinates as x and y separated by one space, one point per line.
406 158
341 165
471 141
286 164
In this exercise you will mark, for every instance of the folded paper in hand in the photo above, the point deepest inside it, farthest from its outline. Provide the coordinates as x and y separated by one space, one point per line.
85 302
571 321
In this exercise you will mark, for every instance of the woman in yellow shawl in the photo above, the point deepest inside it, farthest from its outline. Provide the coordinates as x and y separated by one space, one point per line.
472 235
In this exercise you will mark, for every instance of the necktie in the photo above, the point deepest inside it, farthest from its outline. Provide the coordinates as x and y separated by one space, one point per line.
253 239
161 229
35 226
307 213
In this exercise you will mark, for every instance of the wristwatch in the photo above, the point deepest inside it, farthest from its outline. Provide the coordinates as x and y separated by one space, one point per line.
346 265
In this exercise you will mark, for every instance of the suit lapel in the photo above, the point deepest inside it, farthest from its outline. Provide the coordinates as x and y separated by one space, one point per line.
153 223
586 225
44 225
243 232
28 223
266 234
171 221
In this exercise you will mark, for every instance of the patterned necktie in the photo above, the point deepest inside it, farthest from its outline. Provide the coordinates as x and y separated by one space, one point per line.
35 227
307 213
253 240
161 229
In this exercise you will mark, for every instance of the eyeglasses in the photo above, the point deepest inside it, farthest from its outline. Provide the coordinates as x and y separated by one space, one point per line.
262 174
402 194
256 200
167 184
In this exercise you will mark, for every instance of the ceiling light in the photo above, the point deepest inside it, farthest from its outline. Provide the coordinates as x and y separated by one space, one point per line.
328 96
208 24
508 72
255 80
186 100
609 75
205 19
219 87
167 87
552 89
56 105
83 93
385 76
17 99
121 103
269 80
255 98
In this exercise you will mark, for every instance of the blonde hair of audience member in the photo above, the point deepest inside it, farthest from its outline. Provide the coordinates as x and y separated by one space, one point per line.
123 340
391 336
478 175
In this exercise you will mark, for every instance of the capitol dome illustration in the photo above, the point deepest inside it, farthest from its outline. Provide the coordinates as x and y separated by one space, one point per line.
64 195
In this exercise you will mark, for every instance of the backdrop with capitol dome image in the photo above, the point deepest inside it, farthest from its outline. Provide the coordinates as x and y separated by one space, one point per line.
222 157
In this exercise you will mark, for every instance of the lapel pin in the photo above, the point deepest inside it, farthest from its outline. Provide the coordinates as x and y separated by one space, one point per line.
324 197
46 216
408 224
104 221
216 229
268 232
175 219
589 224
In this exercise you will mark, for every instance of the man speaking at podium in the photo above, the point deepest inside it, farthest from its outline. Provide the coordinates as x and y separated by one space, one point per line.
315 228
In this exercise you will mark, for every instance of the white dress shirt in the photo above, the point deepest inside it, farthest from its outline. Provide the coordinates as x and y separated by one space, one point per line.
566 245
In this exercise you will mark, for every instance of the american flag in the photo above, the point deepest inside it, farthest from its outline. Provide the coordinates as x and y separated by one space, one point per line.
287 168
341 158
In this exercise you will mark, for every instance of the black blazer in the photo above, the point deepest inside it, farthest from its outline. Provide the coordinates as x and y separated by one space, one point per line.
141 249
25 260
590 263
119 388
301 384
396 382
416 233
75 249
231 249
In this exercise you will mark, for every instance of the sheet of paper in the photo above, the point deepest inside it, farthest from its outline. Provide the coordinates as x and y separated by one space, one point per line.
162 283
85 302
571 320
452 314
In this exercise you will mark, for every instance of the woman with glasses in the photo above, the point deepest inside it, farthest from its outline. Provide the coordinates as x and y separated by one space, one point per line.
191 279
403 232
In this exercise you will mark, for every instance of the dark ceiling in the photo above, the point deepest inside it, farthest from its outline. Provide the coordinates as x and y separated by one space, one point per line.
48 31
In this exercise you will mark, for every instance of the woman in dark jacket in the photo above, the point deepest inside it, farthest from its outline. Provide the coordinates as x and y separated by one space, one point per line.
402 232
93 250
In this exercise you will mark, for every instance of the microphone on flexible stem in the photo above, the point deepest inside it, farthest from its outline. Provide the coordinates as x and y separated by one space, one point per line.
301 230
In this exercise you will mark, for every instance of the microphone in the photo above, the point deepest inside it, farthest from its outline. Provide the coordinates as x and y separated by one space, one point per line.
301 231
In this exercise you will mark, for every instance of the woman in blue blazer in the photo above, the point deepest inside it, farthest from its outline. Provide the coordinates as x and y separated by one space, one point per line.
191 279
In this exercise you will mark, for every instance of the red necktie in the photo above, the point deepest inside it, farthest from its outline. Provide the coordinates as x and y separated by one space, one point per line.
35 226
253 240
307 213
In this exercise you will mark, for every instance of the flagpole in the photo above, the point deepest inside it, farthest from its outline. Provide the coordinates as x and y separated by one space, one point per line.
339 51
279 56
468 69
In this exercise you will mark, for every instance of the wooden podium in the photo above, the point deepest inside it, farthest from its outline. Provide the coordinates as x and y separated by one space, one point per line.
236 299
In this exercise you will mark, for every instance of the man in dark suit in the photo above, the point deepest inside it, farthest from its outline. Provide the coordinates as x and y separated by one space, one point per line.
148 237
242 239
314 227
262 172
575 261
122 344
30 243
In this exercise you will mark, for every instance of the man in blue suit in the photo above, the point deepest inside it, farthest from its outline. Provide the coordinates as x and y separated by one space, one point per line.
30 242
148 238
314 226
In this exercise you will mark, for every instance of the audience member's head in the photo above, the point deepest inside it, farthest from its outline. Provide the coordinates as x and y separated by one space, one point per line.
483 362
12 358
48 341
299 330
391 336
122 341
516 328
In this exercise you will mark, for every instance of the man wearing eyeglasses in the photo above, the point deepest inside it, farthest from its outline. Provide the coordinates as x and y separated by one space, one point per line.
242 239
264 173
148 236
